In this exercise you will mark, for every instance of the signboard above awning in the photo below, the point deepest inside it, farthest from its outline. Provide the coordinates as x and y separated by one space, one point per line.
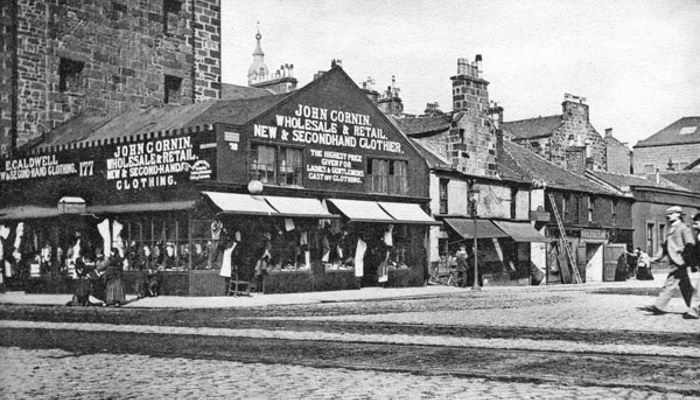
485 229
521 231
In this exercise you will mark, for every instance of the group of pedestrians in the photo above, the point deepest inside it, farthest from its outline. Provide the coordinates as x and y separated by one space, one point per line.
682 248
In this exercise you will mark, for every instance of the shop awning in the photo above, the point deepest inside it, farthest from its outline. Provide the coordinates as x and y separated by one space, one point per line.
236 203
407 213
521 231
139 207
299 207
27 212
485 229
362 211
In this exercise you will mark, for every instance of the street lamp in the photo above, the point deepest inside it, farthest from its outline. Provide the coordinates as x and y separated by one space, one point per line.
473 201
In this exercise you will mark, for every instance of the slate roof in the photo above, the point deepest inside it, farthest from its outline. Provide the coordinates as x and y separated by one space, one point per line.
230 91
621 180
531 166
671 134
431 157
419 126
87 127
534 127
687 179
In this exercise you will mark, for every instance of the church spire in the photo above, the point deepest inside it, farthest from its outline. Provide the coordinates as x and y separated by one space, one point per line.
257 71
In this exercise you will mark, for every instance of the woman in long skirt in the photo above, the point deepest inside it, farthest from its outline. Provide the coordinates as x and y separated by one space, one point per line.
114 292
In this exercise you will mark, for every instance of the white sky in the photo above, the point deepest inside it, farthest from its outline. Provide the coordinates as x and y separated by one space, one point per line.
637 62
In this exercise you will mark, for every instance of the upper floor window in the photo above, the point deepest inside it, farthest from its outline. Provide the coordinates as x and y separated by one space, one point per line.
276 165
387 176
171 11
70 75
613 210
443 196
649 168
591 205
172 89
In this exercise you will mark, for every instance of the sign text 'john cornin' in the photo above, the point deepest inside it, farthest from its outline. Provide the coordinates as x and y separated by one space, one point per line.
150 164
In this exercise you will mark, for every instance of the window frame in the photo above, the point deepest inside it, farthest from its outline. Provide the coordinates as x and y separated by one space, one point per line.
277 172
389 183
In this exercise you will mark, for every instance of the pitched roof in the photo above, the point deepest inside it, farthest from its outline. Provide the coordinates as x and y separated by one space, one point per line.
687 179
684 131
419 126
229 91
622 180
430 156
87 127
531 166
534 127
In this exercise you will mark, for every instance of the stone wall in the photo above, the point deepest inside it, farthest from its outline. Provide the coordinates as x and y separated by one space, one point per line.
110 56
653 158
619 157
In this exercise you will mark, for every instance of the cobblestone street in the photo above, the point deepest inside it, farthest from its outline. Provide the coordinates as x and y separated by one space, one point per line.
55 374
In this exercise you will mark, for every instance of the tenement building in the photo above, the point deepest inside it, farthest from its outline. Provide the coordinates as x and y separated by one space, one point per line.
670 149
563 139
60 58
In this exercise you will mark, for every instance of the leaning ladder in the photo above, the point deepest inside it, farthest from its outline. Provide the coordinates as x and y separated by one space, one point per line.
565 239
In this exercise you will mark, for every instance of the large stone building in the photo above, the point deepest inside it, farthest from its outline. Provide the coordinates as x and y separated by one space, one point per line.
567 139
670 149
59 58
618 154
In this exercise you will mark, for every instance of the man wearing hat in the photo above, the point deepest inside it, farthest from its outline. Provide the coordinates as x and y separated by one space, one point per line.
679 242
694 312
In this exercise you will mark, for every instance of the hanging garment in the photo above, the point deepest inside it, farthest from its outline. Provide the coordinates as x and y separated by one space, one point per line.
103 228
117 241
288 224
226 263
388 238
326 246
383 270
359 258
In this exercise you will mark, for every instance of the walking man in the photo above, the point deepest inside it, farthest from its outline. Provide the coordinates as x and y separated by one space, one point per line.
694 312
678 244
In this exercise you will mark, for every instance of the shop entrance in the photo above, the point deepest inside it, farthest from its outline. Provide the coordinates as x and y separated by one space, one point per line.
594 262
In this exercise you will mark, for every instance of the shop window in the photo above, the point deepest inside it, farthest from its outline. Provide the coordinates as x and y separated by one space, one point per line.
276 165
660 237
70 75
158 241
171 11
387 176
172 89
443 196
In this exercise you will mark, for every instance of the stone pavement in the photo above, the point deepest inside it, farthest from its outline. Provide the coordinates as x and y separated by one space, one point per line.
56 374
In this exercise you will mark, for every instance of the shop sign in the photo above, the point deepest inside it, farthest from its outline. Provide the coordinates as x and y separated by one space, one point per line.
335 166
593 234
42 166
154 163
309 125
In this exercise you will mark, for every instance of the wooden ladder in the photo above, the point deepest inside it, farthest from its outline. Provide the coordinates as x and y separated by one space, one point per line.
565 239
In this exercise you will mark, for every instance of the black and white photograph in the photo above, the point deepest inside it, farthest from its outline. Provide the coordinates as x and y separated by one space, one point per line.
349 199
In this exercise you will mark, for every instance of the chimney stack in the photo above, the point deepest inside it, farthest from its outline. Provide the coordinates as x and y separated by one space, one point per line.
608 132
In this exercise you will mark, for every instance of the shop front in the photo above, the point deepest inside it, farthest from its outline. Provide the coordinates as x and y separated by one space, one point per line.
503 255
311 191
